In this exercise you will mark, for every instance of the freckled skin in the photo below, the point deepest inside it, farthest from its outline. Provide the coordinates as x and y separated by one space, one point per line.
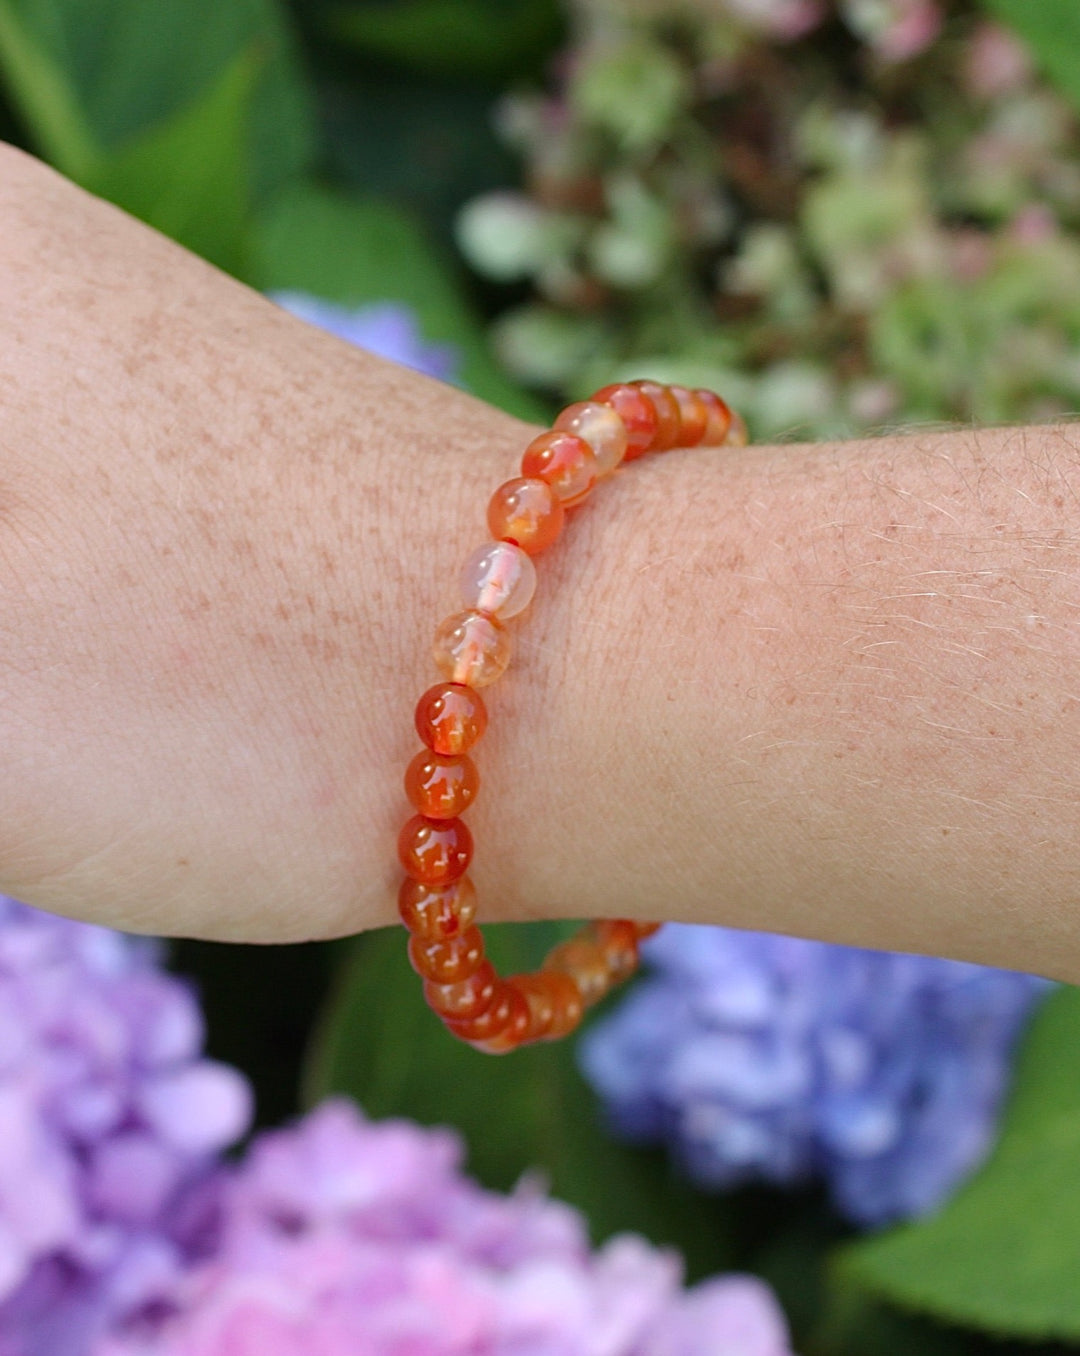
827 690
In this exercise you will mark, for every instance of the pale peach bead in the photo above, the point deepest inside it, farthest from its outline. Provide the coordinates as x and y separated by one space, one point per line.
737 435
471 648
601 428
499 579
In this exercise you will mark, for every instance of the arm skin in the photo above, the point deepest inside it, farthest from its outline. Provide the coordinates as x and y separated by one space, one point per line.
832 690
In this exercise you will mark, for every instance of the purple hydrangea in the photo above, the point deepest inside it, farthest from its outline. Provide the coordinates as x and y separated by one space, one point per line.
345 1237
110 1128
388 329
764 1058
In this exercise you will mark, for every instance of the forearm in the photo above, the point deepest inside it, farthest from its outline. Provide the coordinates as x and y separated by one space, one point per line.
824 690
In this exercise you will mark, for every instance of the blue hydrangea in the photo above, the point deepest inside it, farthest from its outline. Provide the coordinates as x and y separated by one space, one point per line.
388 329
764 1058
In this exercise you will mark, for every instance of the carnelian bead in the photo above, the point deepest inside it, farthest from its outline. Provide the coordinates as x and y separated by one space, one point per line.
435 851
566 1000
693 416
450 718
447 960
737 435
436 911
565 461
506 1017
499 579
601 428
668 418
719 421
636 411
441 786
583 960
538 995
471 648
466 1000
618 943
514 1033
527 512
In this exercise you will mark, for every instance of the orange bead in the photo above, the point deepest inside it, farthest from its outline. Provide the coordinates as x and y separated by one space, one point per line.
584 962
466 1000
514 1033
450 718
716 429
441 786
437 911
527 512
500 1026
435 851
537 994
601 428
636 411
668 418
693 416
565 461
566 1001
471 648
447 960
617 940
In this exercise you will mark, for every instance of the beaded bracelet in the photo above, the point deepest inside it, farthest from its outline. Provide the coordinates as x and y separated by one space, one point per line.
437 901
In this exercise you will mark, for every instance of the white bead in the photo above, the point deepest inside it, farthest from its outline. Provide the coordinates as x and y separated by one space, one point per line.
499 579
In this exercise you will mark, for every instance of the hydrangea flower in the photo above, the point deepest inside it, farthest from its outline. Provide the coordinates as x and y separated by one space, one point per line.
388 329
344 1237
771 1058
110 1126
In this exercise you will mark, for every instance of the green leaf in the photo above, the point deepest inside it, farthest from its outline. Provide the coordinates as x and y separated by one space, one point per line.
1051 28
488 39
379 1044
188 176
90 80
1004 1253
358 251
40 88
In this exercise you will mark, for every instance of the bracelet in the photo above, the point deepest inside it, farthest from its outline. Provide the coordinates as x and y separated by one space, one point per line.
437 901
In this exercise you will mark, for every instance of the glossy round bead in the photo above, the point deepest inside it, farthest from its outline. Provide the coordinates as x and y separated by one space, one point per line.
737 435
537 993
617 940
601 428
668 418
693 416
450 718
466 1000
514 1033
498 579
719 421
526 511
502 1026
447 960
471 648
565 461
435 851
637 412
584 962
437 911
566 1001
441 785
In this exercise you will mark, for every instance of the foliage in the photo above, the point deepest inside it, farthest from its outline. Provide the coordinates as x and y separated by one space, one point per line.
848 213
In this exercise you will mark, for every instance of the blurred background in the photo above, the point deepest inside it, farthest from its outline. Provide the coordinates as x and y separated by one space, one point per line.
848 216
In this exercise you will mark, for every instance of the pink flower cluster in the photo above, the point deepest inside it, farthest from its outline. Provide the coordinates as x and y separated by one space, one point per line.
343 1237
